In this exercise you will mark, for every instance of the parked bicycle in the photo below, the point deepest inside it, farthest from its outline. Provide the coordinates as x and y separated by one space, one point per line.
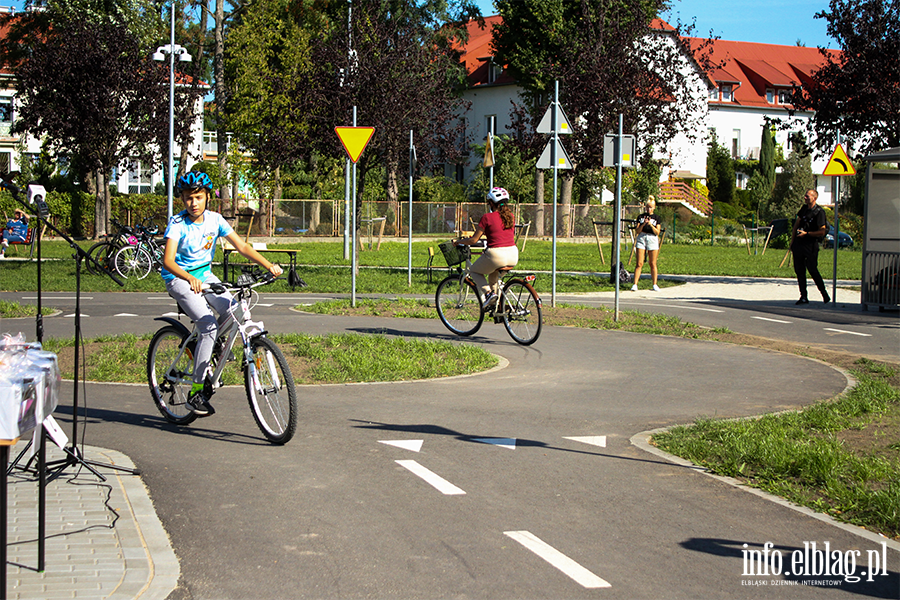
138 260
461 307
104 252
268 382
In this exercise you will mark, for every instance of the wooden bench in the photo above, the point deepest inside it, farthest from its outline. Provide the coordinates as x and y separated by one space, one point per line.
227 249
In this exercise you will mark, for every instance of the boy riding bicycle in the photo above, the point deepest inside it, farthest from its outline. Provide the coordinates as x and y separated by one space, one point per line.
187 265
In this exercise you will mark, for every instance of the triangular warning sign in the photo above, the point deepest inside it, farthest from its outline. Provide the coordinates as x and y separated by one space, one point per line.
354 139
562 123
562 157
839 164
489 150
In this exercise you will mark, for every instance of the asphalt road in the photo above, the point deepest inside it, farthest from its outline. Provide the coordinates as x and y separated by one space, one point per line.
474 487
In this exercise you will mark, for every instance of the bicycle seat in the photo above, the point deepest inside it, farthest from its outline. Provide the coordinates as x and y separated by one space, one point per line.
505 269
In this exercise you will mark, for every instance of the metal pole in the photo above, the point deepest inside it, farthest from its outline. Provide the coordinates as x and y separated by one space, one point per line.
354 233
837 231
618 216
171 182
347 164
554 159
490 141
412 167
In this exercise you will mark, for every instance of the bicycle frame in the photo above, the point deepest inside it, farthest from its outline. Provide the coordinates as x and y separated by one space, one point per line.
497 310
239 324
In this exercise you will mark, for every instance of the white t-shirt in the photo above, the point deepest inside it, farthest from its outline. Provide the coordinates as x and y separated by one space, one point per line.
196 242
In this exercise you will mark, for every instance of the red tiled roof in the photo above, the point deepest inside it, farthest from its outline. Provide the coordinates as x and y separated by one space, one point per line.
756 68
750 68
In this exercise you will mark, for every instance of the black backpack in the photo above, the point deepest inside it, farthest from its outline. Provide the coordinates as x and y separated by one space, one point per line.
624 275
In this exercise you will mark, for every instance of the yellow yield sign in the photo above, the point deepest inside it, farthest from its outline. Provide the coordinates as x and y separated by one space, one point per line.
354 139
839 164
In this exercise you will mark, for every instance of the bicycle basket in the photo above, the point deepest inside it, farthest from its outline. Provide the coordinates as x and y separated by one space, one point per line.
454 254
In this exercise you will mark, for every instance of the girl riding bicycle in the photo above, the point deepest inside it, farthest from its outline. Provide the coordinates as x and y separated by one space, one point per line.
190 246
498 226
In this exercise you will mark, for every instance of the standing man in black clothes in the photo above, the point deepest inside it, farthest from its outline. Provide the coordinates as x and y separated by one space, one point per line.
809 229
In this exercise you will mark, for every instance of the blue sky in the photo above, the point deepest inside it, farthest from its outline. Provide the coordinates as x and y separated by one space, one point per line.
766 21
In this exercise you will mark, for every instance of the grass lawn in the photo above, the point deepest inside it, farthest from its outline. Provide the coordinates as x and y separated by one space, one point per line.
385 271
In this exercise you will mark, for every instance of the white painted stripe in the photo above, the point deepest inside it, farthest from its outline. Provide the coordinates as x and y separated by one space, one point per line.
125 315
850 332
57 297
433 479
559 560
170 314
713 310
594 440
508 443
772 320
413 445
73 314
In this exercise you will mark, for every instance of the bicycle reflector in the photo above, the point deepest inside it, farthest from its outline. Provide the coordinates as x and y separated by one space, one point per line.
530 277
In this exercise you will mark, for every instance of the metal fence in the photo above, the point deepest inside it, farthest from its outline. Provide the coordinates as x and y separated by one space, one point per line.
881 279
326 217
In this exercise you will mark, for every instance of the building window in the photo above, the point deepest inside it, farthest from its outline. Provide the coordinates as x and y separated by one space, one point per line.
736 143
6 115
5 160
713 93
494 71
784 96
727 95
139 177
490 124
770 96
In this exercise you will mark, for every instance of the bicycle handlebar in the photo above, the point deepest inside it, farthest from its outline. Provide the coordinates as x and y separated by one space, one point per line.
254 282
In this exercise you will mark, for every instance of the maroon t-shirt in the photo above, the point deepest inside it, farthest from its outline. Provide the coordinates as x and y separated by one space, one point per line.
493 229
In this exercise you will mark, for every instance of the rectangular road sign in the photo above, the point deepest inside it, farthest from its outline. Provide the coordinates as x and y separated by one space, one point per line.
609 150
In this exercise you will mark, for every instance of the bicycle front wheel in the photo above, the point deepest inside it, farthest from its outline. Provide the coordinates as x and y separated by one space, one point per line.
270 391
170 375
458 305
522 312
132 261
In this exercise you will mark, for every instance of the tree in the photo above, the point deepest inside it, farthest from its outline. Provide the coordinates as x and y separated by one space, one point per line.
608 61
92 89
796 177
719 173
857 92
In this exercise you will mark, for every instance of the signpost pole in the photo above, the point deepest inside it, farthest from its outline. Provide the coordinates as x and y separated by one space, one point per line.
618 216
837 232
354 233
412 168
554 160
490 141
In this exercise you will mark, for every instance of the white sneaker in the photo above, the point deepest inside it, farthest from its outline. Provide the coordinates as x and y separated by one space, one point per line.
655 288
634 288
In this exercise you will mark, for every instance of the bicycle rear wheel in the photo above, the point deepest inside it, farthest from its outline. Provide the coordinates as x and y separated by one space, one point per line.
133 261
169 374
522 312
103 253
458 305
270 391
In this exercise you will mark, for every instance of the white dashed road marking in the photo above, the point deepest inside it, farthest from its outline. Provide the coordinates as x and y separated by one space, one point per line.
433 479
413 445
850 332
559 560
772 320
509 443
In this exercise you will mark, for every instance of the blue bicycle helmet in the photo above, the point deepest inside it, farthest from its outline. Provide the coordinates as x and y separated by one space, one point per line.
194 180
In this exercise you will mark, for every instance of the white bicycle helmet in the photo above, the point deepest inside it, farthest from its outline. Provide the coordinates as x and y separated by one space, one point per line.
498 196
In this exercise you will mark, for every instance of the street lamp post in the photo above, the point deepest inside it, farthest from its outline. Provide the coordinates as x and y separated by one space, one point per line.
171 49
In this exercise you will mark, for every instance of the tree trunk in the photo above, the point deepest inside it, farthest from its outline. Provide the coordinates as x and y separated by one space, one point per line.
101 205
539 200
567 180
221 94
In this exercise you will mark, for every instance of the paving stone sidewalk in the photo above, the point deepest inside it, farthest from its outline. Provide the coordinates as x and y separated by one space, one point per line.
103 539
